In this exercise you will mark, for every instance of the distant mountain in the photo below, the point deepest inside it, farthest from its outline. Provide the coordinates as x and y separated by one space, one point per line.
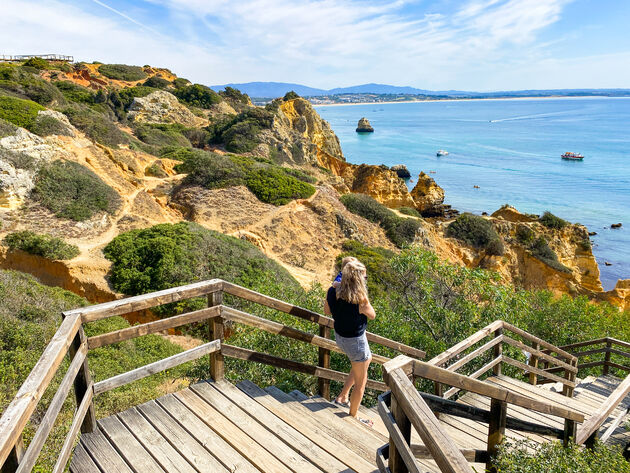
271 89
378 89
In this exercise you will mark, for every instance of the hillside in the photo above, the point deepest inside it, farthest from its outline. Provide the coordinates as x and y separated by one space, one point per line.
91 151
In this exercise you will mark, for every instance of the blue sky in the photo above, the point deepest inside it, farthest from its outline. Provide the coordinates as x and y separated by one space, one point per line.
440 44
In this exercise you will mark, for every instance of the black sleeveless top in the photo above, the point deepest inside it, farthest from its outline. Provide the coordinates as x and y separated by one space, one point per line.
349 322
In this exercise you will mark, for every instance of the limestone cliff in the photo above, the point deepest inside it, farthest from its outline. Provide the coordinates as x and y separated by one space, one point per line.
163 107
428 196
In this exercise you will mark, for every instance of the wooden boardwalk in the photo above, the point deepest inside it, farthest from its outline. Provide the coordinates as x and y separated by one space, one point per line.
220 427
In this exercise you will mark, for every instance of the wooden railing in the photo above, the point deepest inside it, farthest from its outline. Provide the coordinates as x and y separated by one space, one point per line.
71 340
405 407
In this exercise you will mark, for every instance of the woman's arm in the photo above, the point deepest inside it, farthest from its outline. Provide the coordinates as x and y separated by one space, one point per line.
366 309
327 309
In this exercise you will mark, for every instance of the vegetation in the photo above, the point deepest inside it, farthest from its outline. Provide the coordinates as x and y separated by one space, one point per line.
157 82
46 125
275 186
19 112
155 170
549 220
37 63
477 232
48 246
240 133
552 457
75 93
25 83
410 211
161 134
72 191
291 95
539 248
6 128
97 126
122 72
197 95
401 231
234 95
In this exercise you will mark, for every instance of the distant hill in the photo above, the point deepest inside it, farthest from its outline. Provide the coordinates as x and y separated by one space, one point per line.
271 89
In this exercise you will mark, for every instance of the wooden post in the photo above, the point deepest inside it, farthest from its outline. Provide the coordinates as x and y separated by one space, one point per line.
567 390
607 358
590 442
82 381
438 390
15 457
533 362
324 362
498 351
496 430
217 368
396 463
570 432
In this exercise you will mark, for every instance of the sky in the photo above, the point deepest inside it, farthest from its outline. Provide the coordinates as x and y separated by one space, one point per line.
478 45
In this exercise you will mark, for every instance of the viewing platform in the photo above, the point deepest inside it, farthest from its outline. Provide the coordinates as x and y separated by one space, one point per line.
218 426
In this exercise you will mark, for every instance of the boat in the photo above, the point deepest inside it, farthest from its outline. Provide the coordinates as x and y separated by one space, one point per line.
442 152
572 156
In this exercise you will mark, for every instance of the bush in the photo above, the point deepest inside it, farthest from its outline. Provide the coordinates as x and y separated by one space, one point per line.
551 221
276 187
477 232
234 95
540 249
525 235
6 128
212 171
161 134
301 175
410 211
155 170
75 93
240 133
180 82
198 95
72 191
96 126
552 457
156 82
37 63
122 72
402 231
18 159
19 112
290 96
43 245
46 125
127 94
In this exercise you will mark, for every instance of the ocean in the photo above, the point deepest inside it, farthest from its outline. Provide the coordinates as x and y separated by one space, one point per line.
511 150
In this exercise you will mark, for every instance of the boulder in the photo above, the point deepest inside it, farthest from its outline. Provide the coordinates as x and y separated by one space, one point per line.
163 107
509 213
428 196
401 170
364 126
382 184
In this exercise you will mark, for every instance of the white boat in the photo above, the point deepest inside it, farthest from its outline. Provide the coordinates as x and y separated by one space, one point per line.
442 152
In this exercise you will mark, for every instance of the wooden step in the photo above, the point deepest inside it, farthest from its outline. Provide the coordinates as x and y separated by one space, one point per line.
313 452
304 423
82 462
102 452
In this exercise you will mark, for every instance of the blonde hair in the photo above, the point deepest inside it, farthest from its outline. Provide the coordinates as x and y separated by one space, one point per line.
348 259
353 288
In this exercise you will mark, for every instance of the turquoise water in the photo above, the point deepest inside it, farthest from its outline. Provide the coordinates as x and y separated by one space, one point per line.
511 149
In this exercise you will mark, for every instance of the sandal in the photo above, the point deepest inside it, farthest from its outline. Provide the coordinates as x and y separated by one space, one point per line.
368 422
341 404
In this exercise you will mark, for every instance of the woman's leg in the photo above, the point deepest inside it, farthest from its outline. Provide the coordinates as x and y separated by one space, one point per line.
345 391
359 369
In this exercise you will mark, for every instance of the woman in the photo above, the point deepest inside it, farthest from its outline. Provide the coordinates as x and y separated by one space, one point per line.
350 308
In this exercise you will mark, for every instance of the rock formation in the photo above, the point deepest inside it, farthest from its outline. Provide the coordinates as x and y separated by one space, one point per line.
401 170
428 196
163 107
364 126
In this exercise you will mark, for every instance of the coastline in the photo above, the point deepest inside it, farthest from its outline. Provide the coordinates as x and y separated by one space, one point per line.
485 99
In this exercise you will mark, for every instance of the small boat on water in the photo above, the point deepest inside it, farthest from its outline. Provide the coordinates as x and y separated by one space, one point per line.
572 156
442 152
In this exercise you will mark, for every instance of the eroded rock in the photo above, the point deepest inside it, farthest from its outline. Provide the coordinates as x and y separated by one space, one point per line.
163 107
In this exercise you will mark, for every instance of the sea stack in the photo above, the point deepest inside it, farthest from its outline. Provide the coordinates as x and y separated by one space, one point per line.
402 171
364 126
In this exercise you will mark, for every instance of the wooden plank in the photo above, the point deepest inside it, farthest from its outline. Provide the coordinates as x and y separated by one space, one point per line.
586 343
618 366
323 361
613 426
15 457
289 435
19 411
473 354
401 459
75 427
82 380
239 440
401 362
213 447
539 354
279 329
82 462
153 442
533 362
250 355
103 453
589 352
620 343
444 451
48 421
246 423
496 430
156 367
435 373
152 327
487 367
217 363
128 446
531 369
291 309
381 459
189 447
528 336
619 352
593 423
470 454
308 426
466 343
146 301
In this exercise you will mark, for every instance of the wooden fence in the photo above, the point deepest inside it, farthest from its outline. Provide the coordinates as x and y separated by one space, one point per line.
48 57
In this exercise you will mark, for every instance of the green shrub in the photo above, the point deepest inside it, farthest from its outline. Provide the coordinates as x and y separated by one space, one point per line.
122 72
46 125
301 175
127 94
37 63
540 249
552 457
212 171
291 95
157 82
410 211
240 133
72 191
234 95
180 153
525 235
274 186
551 221
96 126
155 170
161 134
402 231
6 128
19 112
197 95
43 245
18 159
181 82
477 232
241 137
169 255
75 93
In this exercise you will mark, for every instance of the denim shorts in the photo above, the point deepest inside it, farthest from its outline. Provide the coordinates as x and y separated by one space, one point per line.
356 348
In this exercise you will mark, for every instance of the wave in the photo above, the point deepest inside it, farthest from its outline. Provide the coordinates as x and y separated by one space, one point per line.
537 115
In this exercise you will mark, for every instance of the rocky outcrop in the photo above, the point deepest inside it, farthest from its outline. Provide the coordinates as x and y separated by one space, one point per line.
509 213
383 184
402 171
619 296
364 126
428 196
163 107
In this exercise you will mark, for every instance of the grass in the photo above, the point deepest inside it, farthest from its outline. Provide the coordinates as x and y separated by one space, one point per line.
48 246
22 113
477 232
97 126
72 191
24 82
122 72
75 93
